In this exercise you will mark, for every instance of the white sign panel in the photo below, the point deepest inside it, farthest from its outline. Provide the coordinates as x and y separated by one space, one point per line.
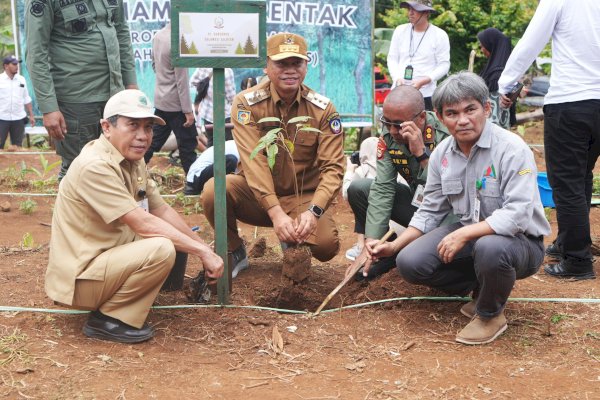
218 35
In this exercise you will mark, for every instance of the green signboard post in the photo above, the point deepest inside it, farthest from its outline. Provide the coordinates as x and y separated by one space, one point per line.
219 34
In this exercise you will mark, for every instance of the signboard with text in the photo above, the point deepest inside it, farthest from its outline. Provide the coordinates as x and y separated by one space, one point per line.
338 33
218 33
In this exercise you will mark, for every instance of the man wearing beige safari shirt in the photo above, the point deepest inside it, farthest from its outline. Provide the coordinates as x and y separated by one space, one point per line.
113 237
264 197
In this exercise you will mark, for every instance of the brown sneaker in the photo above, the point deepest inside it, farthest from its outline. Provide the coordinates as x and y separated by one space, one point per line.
468 309
482 331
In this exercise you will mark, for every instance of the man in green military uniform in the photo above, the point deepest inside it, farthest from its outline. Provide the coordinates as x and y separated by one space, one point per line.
78 54
410 134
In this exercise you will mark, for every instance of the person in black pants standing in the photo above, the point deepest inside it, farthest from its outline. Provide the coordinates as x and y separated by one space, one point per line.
172 101
571 122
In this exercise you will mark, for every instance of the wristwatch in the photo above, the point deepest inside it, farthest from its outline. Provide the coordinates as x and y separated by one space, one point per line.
425 155
316 210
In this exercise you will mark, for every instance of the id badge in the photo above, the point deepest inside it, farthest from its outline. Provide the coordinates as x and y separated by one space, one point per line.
144 204
408 73
476 209
418 197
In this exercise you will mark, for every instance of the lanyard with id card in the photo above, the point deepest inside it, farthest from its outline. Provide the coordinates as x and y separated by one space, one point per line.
417 199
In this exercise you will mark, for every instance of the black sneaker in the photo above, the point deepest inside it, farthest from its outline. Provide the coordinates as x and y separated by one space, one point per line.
100 326
553 251
571 269
190 190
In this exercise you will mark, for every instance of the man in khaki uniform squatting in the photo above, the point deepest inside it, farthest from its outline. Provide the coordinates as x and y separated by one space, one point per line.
259 196
113 237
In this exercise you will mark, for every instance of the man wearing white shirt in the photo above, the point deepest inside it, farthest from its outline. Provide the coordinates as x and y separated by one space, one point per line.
173 102
14 99
571 120
419 51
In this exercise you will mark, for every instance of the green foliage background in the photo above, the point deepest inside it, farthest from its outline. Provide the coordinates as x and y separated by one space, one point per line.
6 34
462 19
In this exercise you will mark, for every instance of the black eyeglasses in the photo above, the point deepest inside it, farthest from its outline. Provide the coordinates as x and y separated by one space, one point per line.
397 124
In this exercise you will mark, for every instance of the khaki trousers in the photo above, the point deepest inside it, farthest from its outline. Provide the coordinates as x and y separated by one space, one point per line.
133 275
242 206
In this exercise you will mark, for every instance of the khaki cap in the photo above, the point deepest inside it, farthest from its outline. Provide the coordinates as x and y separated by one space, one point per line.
285 45
131 103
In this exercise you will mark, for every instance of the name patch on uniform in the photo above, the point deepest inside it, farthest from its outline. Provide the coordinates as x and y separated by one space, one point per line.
81 8
381 148
65 3
335 123
243 117
524 171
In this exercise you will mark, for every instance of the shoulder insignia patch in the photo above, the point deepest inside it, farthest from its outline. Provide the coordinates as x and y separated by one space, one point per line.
257 96
37 9
524 171
428 133
335 123
243 117
381 148
316 99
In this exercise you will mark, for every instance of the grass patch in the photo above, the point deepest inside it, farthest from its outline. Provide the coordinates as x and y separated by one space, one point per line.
28 206
12 348
556 318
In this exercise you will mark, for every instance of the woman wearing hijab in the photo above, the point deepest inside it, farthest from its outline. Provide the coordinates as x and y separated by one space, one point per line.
496 46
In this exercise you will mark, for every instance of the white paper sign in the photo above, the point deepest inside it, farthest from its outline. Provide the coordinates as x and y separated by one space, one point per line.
218 35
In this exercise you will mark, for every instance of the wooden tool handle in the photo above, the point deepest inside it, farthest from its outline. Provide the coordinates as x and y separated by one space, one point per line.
358 263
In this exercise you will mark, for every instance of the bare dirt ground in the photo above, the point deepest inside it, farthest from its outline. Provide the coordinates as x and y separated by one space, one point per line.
401 349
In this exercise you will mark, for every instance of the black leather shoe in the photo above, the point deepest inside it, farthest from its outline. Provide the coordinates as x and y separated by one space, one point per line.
190 190
553 251
100 326
565 268
379 268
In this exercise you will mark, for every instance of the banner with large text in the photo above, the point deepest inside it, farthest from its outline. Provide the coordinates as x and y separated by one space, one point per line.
338 33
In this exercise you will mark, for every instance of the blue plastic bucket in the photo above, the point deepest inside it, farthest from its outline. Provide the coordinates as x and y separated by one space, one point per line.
545 190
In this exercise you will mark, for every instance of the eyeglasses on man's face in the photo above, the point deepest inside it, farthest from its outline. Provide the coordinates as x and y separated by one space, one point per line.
397 124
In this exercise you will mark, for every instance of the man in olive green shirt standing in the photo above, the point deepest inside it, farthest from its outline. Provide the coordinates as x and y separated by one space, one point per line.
78 54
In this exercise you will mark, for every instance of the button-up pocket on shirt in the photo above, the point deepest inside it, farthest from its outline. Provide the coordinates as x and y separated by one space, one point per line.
77 19
305 146
453 190
490 197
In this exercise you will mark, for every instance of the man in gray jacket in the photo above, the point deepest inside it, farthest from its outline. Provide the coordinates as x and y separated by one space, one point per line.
486 176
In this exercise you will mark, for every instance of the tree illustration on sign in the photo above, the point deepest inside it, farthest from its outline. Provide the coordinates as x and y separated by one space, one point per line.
249 47
184 46
193 49
239 49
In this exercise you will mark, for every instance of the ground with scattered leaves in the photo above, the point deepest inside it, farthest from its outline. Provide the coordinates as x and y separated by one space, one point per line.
399 349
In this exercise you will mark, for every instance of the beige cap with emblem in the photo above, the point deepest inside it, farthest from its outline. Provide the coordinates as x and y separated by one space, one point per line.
285 45
131 103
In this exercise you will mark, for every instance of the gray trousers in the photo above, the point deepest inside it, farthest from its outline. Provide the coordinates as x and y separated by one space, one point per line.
83 126
491 263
